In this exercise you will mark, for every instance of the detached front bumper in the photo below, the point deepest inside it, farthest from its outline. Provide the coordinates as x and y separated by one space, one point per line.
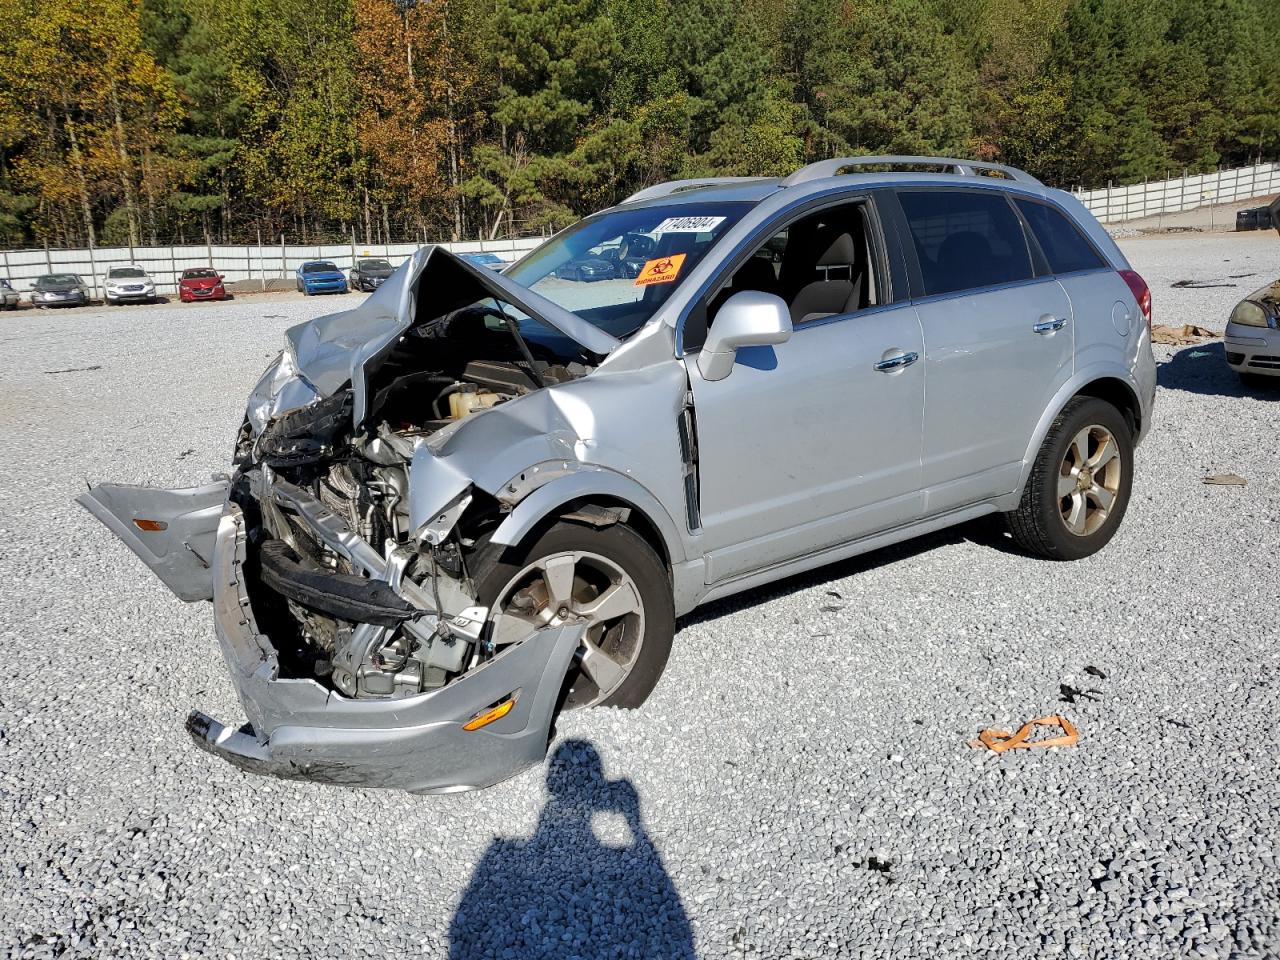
301 730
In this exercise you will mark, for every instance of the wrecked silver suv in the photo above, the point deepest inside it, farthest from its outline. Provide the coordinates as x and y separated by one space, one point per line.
477 499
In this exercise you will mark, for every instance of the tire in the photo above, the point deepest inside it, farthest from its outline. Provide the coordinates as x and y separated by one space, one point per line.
500 575
1043 522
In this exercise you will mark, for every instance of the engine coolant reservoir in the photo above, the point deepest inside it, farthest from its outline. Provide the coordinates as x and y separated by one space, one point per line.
461 404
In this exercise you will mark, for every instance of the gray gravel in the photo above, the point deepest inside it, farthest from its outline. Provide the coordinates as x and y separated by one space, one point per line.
799 785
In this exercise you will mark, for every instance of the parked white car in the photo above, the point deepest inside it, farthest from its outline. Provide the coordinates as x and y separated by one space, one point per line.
129 284
1253 337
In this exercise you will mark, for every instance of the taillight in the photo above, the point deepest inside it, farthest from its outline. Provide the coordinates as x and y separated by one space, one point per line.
1141 292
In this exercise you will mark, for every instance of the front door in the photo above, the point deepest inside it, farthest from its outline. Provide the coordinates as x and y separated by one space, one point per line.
809 445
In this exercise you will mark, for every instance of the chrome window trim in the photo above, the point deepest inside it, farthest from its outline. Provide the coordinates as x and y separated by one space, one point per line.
989 288
1087 271
856 315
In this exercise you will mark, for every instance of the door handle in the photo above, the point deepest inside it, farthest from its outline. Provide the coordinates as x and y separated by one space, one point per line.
901 360
1049 324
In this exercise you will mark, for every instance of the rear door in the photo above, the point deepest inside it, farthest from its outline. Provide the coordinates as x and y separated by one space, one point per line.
998 339
1101 314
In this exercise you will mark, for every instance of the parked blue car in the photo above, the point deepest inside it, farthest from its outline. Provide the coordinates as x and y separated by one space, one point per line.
320 276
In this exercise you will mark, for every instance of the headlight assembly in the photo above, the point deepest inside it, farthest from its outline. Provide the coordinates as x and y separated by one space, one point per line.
1249 314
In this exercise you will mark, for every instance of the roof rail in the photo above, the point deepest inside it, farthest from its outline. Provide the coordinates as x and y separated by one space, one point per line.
675 186
965 168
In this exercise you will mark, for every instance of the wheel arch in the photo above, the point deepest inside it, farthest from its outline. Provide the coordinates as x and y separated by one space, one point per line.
1120 395
600 488
1111 385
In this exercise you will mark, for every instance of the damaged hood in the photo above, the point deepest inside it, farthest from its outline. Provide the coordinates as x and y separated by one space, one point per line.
321 356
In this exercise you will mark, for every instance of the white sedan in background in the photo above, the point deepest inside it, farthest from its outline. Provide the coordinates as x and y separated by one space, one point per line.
1253 337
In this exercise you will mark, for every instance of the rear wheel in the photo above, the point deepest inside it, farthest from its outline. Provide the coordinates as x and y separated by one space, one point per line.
611 580
1079 486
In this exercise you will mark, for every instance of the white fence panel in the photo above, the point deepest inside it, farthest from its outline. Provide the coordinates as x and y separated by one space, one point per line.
276 261
1116 204
237 262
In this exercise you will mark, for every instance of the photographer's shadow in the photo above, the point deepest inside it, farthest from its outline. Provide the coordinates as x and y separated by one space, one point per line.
564 893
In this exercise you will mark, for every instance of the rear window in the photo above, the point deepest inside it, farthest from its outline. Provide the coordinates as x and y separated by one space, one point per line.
1061 240
965 239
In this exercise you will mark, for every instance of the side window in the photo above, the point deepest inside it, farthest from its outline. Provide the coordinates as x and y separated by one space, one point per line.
822 265
1061 240
965 239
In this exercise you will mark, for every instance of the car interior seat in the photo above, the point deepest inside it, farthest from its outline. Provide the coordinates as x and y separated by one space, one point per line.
757 273
841 276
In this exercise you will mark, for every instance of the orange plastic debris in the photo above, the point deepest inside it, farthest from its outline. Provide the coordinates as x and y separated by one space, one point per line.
998 741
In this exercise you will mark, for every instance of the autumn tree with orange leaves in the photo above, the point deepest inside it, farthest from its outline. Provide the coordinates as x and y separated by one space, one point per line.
88 104
416 88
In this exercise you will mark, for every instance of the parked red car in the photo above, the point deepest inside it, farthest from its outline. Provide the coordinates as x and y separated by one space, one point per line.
201 283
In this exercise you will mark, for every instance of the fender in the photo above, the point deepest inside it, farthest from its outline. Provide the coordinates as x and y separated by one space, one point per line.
1102 370
584 483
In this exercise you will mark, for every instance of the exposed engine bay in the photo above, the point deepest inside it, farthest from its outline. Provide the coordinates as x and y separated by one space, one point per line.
347 592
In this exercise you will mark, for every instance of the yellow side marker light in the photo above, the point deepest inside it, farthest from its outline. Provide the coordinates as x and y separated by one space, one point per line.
490 715
151 526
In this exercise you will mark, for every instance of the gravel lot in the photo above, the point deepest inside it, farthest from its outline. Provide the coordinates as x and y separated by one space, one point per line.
799 785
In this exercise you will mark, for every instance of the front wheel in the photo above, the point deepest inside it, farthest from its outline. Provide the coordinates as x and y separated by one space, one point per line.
608 578
1079 486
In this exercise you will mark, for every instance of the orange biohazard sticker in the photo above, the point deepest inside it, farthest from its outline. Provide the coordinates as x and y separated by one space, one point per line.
661 270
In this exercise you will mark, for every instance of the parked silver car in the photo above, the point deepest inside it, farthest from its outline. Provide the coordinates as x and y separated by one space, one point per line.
129 284
59 290
1252 339
479 498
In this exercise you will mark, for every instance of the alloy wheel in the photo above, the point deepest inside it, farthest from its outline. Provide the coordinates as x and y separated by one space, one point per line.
577 587
1089 480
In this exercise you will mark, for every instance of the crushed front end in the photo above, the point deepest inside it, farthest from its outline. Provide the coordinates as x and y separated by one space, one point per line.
434 741
342 586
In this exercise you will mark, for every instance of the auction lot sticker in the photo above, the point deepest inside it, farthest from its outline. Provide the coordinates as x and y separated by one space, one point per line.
687 225
661 270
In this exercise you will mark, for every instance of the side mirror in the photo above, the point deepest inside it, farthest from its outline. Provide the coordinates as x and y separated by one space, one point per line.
747 319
